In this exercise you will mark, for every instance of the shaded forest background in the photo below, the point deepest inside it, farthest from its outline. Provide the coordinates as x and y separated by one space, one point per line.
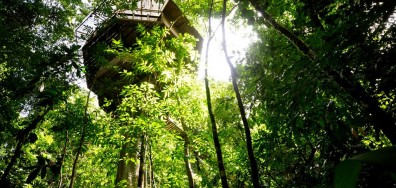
311 104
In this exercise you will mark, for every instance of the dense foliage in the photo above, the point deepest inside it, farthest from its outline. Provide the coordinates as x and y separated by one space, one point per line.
317 87
320 110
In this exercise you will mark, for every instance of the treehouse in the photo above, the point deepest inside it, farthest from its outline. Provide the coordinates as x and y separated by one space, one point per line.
99 31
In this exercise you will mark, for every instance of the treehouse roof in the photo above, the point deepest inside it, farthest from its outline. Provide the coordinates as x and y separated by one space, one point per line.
96 27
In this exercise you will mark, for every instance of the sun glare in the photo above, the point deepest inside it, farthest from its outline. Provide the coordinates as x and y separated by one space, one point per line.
238 40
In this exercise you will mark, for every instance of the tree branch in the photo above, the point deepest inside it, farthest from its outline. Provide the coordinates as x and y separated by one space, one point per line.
21 141
382 120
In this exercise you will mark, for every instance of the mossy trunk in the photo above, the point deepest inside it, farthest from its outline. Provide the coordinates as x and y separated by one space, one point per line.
128 170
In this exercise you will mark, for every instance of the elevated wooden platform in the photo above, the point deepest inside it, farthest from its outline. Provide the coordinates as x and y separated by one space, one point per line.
102 75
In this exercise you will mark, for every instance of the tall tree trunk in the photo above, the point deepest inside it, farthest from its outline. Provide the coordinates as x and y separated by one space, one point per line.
146 172
21 141
74 170
187 163
151 166
197 159
187 155
382 119
216 141
63 159
223 175
249 146
127 170
82 140
142 161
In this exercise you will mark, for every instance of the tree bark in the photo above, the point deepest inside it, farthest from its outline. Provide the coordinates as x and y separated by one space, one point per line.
152 179
382 120
223 175
197 159
81 144
304 48
146 172
82 140
187 156
142 161
187 163
63 159
216 141
21 141
127 170
249 146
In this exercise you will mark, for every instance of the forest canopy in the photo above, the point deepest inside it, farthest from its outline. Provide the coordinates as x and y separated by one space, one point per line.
310 103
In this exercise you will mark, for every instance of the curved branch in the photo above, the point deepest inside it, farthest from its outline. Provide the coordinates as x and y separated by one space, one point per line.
382 119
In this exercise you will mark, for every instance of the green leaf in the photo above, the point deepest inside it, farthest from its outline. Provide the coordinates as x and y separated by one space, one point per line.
347 173
384 157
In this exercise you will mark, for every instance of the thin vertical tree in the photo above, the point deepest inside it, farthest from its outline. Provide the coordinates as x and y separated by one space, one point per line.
142 160
82 140
152 178
63 159
187 155
252 160
223 175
